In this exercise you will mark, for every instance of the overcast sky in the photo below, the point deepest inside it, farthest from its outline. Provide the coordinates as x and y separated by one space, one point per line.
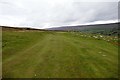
56 13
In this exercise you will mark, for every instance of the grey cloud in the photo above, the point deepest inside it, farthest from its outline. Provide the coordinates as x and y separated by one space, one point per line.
45 13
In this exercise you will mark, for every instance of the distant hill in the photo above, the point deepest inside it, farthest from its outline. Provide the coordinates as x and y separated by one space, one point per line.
106 29
8 28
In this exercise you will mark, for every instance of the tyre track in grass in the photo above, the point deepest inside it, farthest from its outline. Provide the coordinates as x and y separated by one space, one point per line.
56 59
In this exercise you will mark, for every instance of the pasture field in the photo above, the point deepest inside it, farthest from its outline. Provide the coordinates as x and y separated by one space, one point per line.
50 54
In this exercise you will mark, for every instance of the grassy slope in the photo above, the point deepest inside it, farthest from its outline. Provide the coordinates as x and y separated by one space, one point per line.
55 54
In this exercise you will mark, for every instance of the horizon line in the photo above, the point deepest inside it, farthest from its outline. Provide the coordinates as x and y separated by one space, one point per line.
85 24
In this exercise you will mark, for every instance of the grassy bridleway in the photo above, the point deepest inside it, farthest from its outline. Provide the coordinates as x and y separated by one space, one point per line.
57 54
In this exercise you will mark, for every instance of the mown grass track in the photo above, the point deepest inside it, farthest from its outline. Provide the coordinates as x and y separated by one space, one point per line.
57 54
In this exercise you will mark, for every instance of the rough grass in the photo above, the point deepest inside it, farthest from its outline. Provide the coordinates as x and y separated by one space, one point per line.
57 54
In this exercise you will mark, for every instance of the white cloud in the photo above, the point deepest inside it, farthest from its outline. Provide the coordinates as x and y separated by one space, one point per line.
52 13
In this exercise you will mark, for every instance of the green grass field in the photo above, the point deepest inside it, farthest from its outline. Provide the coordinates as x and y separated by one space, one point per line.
57 55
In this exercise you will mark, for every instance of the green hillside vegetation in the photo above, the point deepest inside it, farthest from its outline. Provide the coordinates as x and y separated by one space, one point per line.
52 54
111 29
